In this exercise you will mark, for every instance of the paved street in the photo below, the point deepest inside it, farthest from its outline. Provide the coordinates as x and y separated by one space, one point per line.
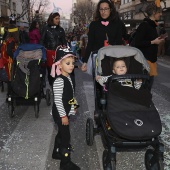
26 143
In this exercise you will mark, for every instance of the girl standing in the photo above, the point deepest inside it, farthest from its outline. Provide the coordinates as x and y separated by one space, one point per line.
52 36
64 106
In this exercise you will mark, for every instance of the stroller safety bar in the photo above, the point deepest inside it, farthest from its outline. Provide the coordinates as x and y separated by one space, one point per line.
129 76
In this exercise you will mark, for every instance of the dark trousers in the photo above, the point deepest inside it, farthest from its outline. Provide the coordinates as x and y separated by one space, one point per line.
62 139
151 81
50 78
9 88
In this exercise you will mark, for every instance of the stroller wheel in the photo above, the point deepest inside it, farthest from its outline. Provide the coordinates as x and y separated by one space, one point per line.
36 109
11 110
89 132
48 97
152 161
108 162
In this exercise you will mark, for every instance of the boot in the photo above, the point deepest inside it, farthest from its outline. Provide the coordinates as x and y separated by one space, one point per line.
66 163
56 154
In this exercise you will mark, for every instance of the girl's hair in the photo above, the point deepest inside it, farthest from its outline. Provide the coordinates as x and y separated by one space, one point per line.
33 25
50 18
14 35
113 13
152 8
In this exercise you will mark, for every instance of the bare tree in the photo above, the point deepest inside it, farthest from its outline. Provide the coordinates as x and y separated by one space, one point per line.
29 8
84 11
39 5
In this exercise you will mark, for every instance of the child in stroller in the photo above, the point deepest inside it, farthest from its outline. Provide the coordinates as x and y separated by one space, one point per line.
126 120
119 68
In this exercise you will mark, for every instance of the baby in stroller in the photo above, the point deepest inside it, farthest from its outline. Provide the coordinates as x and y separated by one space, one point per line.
119 68
126 118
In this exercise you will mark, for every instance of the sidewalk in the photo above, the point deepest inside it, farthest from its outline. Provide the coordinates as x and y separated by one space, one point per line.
165 60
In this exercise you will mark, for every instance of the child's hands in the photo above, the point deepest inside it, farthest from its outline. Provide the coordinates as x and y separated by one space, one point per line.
97 78
64 120
84 67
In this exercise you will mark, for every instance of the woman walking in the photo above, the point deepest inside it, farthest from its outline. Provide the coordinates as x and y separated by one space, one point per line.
52 36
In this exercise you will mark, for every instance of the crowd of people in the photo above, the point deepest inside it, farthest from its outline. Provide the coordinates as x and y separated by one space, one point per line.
106 29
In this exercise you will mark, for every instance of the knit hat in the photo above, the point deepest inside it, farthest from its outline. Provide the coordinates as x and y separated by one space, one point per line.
12 28
61 53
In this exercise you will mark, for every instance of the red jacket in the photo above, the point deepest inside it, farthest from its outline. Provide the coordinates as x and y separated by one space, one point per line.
34 36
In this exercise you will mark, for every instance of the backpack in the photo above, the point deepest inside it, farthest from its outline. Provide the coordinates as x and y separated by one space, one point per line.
4 55
3 75
133 36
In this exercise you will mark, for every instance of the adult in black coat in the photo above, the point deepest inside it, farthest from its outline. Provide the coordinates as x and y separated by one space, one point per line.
147 39
23 36
52 36
106 27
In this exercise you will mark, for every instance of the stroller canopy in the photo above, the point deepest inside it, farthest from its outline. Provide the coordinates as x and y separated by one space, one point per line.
30 47
120 51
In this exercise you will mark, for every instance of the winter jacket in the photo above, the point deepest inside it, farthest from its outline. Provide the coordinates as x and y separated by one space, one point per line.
146 32
98 33
34 36
23 37
52 37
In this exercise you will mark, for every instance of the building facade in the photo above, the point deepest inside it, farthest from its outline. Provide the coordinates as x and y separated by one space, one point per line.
132 15
18 8
65 23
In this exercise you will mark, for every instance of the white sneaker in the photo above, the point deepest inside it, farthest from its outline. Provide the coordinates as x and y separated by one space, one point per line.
51 112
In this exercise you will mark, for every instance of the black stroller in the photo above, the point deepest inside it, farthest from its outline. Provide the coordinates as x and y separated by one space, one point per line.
125 117
26 86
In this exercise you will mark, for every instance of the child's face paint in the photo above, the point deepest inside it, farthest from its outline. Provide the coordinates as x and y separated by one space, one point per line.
67 65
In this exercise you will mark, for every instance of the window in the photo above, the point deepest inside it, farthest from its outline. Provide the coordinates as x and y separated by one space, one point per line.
122 2
14 6
9 3
3 10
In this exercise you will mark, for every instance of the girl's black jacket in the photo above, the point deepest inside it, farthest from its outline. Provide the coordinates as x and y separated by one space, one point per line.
146 32
52 37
